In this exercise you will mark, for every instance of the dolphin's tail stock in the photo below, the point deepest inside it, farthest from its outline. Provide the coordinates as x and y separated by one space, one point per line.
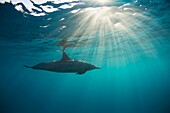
27 66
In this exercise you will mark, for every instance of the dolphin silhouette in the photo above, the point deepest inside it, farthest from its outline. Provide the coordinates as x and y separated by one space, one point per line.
65 65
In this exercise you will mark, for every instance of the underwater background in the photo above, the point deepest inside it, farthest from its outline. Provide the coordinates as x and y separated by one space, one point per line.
128 39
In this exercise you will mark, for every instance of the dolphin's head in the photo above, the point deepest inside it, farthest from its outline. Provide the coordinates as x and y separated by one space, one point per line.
97 68
91 67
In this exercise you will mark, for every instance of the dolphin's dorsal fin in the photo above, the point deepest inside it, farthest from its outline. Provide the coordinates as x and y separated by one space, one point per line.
65 57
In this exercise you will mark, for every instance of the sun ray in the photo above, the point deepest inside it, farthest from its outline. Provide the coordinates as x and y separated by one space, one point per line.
112 31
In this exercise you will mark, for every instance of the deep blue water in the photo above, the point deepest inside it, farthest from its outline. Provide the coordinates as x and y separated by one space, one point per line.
129 40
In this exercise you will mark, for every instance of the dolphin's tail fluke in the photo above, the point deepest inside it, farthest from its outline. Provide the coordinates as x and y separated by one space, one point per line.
27 66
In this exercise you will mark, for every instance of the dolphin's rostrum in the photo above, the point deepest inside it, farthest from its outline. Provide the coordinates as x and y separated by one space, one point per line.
65 65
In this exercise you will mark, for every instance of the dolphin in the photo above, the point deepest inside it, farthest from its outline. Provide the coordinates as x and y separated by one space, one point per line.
65 65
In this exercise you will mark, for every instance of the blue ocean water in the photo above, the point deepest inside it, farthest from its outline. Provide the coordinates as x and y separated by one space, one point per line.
128 39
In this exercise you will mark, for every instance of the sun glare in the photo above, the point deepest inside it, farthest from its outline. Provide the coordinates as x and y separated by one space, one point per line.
102 1
113 29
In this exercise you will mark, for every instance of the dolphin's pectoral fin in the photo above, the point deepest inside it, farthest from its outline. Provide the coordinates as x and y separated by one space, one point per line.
80 72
